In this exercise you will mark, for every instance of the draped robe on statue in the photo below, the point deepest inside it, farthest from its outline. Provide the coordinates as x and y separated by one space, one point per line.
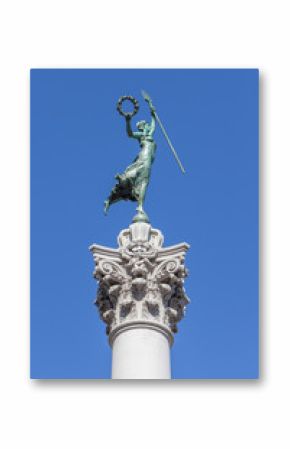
132 183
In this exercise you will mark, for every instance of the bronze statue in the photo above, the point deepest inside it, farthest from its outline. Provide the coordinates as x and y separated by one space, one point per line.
132 184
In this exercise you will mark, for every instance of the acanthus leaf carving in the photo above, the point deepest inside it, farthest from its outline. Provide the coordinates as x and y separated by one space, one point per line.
141 280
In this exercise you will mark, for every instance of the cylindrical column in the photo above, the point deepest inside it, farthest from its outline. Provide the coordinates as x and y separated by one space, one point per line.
141 352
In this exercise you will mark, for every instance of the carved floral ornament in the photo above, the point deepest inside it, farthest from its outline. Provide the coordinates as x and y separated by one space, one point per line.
141 281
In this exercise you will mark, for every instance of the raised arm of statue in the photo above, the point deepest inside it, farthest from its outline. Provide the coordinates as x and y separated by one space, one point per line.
128 127
130 133
153 118
153 122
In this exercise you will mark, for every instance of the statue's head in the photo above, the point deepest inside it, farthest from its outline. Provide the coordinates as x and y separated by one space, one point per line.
141 125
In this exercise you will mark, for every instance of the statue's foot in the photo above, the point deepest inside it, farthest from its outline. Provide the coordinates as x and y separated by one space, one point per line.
141 216
107 205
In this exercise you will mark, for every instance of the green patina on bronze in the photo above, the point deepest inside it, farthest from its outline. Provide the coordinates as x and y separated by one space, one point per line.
133 182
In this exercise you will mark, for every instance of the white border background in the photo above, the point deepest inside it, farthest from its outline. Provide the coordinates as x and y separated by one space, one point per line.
198 414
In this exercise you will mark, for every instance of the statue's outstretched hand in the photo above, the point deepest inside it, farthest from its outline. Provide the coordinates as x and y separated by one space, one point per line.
152 109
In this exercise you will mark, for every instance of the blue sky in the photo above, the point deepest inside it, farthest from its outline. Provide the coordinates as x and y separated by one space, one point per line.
78 143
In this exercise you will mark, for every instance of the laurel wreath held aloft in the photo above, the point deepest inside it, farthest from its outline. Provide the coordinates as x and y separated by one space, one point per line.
133 101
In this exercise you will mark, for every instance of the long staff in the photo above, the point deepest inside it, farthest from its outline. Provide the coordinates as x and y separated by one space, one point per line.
148 99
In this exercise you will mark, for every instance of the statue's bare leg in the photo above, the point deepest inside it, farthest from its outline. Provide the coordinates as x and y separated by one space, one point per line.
142 194
141 214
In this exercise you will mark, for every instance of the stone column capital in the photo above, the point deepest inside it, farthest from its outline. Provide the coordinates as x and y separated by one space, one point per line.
140 282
